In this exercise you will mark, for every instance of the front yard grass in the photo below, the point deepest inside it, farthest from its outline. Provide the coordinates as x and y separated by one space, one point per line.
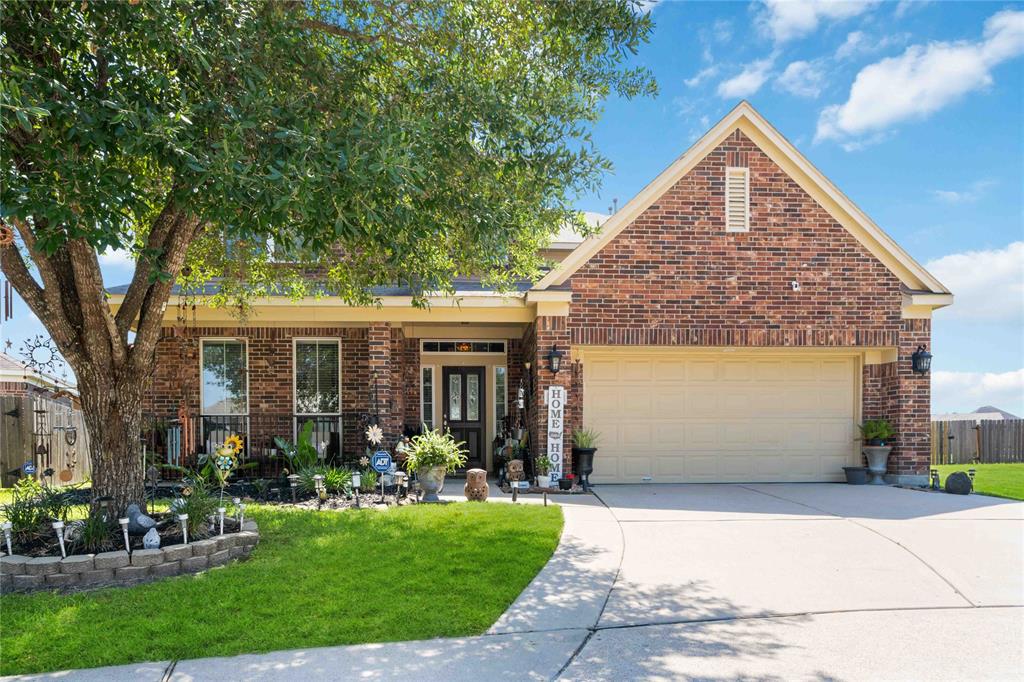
316 579
1000 480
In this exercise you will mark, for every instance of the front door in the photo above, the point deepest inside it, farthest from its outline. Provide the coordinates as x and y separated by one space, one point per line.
464 410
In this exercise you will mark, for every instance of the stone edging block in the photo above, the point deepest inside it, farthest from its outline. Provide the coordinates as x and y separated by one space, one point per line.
119 568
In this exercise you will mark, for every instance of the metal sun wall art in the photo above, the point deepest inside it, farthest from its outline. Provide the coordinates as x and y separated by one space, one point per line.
41 354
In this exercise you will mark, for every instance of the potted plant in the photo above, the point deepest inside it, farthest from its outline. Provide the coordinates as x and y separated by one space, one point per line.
876 433
543 466
431 455
584 445
567 482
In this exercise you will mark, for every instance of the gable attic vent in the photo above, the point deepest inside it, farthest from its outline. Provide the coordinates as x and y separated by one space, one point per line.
737 199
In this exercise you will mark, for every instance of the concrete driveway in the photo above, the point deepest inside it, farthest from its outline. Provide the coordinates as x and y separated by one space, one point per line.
809 581
721 582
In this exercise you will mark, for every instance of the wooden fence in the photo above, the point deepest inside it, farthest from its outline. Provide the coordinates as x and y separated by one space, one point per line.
47 433
986 441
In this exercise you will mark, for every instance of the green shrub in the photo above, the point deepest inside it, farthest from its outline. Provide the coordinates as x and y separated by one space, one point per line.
433 449
199 505
586 438
96 534
368 481
336 480
302 454
877 429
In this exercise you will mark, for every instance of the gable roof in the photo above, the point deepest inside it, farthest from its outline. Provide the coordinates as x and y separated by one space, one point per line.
745 118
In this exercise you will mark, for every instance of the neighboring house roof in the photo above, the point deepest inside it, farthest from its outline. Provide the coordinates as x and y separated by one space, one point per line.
984 413
915 278
15 371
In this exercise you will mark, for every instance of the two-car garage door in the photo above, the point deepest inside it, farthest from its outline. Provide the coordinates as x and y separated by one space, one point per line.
668 416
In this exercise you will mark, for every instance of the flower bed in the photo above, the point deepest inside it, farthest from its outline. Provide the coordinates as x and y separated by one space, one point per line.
19 573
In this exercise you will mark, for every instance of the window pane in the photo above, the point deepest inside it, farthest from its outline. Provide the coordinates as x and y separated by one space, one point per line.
500 395
328 377
427 407
316 377
224 377
472 397
455 397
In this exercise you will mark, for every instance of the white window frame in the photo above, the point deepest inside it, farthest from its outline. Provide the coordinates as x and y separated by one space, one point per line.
295 375
423 394
729 185
494 394
202 398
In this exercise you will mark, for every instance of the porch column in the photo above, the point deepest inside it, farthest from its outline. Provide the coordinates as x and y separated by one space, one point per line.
546 332
911 457
382 363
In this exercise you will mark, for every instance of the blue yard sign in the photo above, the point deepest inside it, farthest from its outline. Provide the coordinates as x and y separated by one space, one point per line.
381 461
28 468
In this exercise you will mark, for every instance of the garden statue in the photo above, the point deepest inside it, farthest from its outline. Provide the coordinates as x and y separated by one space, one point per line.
476 485
138 523
151 540
515 470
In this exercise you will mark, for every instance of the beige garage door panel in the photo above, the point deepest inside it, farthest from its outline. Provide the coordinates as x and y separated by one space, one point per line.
701 418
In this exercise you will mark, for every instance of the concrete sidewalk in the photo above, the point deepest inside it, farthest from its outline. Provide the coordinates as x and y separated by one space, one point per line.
759 581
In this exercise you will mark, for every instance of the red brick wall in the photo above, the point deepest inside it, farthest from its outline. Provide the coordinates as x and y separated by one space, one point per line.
175 375
676 277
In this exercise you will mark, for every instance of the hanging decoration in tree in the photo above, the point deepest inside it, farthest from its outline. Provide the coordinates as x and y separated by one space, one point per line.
40 354
6 235
8 301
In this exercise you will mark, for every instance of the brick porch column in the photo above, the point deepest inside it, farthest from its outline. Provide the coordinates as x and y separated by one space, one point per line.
542 335
382 363
911 458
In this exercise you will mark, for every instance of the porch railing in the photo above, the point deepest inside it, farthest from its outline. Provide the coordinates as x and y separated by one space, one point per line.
180 445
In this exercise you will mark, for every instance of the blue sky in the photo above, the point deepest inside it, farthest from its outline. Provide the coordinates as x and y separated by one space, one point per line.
913 109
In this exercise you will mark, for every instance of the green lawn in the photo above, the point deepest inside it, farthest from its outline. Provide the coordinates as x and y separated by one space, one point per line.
1000 480
316 579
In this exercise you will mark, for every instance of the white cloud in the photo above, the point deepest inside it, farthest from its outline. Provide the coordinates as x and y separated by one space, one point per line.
786 20
966 391
748 81
803 79
117 258
904 6
701 76
922 80
965 196
987 285
859 43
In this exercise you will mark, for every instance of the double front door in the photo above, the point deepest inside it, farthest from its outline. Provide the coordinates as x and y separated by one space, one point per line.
464 411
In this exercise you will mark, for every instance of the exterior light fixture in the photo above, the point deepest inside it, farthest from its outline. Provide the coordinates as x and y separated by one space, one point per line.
7 525
183 518
357 480
293 482
220 513
124 531
921 360
58 527
555 359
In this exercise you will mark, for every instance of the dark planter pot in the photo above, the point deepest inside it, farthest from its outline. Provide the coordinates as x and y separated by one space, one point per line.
584 459
565 484
856 475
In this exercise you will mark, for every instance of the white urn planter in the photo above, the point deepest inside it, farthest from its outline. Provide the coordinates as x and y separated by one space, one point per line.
431 481
878 462
543 481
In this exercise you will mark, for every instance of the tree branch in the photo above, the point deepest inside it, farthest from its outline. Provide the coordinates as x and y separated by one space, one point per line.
98 328
165 223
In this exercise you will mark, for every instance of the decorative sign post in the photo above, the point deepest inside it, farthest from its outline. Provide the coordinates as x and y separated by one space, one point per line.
381 463
554 396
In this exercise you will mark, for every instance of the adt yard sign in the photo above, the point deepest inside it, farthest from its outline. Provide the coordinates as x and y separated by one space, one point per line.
381 461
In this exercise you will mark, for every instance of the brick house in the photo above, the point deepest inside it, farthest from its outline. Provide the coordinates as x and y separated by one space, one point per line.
734 321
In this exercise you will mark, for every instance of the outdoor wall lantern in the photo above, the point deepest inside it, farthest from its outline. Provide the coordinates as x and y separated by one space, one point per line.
555 359
921 360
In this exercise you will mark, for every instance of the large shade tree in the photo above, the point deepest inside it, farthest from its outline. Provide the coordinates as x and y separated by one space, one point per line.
371 141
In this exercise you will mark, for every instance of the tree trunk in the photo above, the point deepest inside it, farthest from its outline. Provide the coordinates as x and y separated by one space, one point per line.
112 408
